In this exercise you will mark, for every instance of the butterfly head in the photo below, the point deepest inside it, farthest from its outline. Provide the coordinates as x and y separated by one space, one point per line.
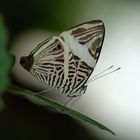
26 62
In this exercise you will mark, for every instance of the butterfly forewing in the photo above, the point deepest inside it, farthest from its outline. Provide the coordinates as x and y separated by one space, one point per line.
85 40
67 61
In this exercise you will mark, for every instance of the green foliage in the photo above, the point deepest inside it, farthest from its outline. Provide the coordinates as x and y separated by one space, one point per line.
44 101
5 59
3 34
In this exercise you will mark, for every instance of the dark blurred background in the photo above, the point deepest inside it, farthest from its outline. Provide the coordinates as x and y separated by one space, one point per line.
112 100
20 119
46 14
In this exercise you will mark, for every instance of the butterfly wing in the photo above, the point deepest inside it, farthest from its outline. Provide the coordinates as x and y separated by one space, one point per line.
85 41
48 62
67 61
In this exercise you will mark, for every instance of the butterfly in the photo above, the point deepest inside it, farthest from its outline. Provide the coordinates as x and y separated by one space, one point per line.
65 62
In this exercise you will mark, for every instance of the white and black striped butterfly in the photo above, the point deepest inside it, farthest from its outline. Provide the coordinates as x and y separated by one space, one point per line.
67 61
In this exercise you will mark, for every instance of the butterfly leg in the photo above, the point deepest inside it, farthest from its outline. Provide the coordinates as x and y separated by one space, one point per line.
40 92
83 90
68 101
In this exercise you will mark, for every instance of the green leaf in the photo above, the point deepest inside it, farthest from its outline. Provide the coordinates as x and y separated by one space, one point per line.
3 34
44 101
5 60
5 57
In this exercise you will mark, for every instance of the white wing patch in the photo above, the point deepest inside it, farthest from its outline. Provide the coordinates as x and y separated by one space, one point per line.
85 40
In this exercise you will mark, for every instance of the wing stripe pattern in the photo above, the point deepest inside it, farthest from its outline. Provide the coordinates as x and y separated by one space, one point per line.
40 45
87 35
90 35
66 62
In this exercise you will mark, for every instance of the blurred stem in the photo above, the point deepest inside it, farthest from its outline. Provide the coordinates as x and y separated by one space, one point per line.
44 101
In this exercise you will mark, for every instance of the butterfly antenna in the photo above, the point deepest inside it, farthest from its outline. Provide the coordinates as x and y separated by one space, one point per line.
102 72
94 78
